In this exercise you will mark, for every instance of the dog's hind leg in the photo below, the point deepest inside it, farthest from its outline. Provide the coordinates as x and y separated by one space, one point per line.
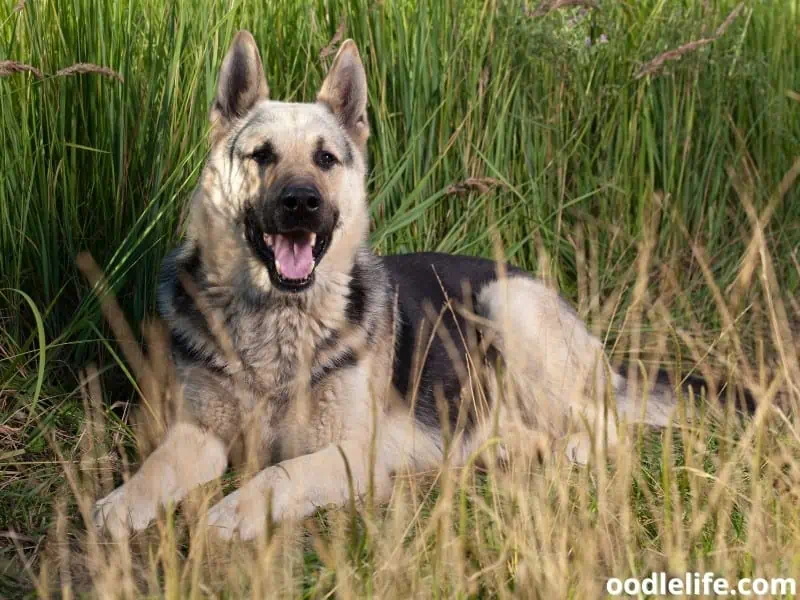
188 457
556 368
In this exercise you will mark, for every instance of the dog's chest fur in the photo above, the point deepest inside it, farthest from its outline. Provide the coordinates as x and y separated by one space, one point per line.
266 352
277 345
283 351
282 344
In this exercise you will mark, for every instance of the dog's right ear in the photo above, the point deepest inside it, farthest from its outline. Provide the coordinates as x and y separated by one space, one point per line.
241 84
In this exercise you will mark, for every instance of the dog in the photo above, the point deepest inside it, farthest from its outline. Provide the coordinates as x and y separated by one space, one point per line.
330 367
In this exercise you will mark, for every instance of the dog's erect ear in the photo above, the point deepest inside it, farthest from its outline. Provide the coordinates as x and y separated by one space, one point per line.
345 92
241 83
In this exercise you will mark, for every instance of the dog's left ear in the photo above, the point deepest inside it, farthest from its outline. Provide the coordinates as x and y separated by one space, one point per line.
345 92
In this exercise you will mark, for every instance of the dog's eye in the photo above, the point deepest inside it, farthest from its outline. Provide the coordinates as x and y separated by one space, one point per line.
325 160
264 155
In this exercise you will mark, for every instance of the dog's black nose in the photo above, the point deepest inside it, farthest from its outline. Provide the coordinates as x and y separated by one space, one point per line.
300 198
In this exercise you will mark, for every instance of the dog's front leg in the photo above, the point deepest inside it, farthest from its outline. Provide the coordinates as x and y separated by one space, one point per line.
299 487
189 456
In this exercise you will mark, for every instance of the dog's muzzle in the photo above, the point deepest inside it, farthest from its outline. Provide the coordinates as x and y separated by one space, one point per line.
291 235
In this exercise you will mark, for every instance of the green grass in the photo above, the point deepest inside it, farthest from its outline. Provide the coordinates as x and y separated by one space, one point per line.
591 178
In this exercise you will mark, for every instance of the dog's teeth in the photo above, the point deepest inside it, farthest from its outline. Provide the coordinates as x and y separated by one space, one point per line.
313 239
277 265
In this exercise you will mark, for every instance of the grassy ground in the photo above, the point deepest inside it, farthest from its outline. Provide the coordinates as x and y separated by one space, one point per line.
658 195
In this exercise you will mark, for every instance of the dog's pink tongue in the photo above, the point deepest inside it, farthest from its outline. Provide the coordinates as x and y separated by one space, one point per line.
293 255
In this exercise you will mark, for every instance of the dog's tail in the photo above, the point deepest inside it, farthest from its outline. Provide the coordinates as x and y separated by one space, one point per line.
655 402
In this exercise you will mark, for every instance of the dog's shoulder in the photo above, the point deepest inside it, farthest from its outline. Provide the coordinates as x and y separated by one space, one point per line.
169 291
367 290
180 279
181 266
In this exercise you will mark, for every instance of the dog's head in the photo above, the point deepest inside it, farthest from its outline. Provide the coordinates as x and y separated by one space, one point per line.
283 193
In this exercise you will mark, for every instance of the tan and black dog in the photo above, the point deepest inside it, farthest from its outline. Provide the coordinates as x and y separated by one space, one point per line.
332 366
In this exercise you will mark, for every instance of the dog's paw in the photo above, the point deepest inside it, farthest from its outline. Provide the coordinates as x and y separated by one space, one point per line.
223 517
123 511
241 514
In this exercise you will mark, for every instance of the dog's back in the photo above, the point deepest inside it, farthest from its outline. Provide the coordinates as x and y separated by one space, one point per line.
452 310
459 317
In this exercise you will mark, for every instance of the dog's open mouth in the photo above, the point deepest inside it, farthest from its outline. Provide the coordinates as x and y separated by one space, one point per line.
291 257
294 254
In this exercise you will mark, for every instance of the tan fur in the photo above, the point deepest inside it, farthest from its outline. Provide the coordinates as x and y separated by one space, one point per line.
557 367
188 457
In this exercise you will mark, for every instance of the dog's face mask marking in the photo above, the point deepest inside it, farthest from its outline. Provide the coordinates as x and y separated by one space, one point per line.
289 177
297 157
